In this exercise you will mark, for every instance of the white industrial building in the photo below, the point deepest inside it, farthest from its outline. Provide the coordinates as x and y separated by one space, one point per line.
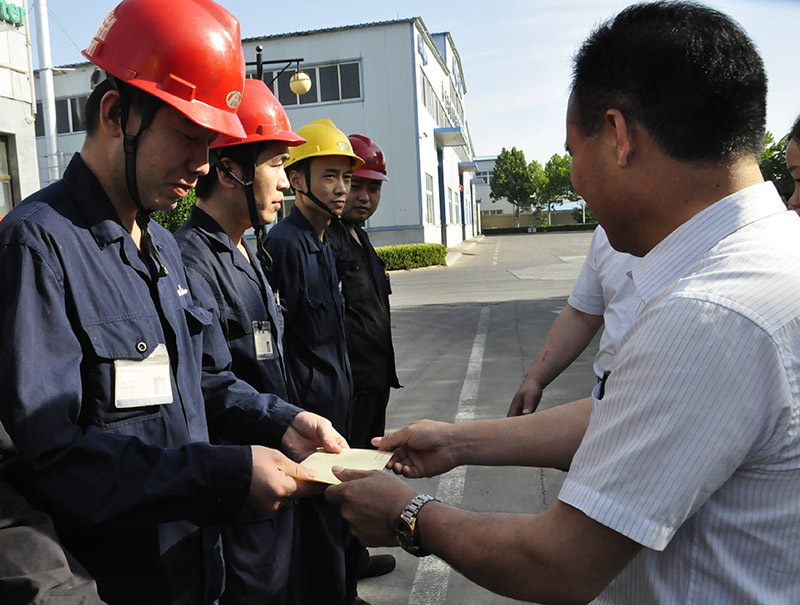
392 81
19 176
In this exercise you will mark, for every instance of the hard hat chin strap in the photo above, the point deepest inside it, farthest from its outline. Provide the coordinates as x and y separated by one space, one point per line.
261 251
313 197
130 146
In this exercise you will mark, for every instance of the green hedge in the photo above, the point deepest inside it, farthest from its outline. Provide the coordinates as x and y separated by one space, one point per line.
412 256
173 219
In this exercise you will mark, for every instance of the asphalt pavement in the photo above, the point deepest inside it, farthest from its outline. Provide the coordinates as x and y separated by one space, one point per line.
464 337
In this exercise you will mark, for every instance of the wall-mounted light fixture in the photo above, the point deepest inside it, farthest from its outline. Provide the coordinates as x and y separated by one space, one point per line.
299 83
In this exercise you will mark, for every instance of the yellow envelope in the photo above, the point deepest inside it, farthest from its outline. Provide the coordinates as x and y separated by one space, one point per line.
357 459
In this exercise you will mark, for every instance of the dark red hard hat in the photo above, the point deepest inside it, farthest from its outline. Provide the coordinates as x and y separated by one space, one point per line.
368 150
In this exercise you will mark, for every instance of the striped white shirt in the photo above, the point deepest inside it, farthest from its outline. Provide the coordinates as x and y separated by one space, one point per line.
605 288
694 451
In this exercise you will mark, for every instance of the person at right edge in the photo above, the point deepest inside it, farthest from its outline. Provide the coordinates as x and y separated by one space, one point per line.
367 321
684 475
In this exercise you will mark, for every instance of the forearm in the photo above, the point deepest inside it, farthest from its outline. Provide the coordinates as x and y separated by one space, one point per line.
571 333
545 439
560 556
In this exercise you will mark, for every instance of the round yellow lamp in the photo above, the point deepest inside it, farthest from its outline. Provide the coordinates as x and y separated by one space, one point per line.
300 83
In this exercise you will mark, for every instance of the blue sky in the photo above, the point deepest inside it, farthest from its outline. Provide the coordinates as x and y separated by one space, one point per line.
515 53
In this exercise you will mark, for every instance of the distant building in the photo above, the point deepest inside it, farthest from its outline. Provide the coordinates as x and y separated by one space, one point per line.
482 182
392 81
19 176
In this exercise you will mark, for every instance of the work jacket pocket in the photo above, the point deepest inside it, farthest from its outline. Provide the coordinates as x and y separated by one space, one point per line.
128 340
322 321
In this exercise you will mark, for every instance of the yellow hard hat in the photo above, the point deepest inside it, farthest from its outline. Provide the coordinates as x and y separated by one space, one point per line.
322 138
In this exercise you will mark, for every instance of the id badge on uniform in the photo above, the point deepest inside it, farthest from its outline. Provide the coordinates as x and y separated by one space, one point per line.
144 382
262 335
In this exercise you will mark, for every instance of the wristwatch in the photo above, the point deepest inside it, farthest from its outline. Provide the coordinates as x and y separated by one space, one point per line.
406 529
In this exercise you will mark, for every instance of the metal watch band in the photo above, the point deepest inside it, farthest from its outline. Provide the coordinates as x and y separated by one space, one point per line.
408 518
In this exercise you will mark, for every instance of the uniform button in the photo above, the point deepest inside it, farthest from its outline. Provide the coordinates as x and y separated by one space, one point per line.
141 346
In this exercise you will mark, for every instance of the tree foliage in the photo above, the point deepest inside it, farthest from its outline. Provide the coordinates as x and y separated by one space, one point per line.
558 183
512 178
173 219
773 165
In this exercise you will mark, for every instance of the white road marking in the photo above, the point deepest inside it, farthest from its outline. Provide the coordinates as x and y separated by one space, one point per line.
433 574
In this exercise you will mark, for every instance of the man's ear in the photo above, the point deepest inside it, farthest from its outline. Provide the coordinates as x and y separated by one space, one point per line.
297 180
110 114
624 132
224 179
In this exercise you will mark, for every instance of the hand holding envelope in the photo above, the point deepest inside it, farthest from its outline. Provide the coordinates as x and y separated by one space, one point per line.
356 459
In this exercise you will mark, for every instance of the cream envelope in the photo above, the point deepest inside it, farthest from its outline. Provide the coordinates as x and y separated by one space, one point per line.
357 459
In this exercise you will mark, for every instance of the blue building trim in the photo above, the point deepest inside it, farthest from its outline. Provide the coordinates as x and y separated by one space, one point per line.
421 204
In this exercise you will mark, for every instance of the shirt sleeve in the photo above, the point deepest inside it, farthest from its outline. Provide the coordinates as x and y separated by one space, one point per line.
86 475
587 293
237 413
694 395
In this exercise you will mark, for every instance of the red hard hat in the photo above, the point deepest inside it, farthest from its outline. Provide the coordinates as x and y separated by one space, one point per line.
188 53
263 119
374 165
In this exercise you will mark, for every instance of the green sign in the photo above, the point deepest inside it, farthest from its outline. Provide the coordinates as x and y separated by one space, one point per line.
11 13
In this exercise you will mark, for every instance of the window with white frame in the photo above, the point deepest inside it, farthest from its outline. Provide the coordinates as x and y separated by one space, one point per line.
450 208
70 116
431 215
6 189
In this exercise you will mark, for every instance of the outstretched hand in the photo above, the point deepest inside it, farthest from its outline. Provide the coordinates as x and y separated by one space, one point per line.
371 503
276 479
309 432
422 449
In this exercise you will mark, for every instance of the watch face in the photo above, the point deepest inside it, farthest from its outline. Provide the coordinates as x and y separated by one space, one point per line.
405 535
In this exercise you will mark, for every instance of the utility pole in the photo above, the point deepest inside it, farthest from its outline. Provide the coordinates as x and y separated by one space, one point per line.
46 90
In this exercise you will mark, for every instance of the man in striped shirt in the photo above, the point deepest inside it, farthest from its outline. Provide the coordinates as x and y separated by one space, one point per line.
684 479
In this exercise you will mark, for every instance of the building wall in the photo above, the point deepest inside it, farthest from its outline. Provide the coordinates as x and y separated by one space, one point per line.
407 91
17 105
384 111
71 86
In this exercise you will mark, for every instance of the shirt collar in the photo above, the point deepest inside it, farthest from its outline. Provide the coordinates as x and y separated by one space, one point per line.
205 222
672 257
93 203
301 222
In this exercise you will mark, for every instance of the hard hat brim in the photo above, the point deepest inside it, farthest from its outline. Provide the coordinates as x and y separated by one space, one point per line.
374 175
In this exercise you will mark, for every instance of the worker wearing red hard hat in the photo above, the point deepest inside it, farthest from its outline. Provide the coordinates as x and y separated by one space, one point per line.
245 189
116 379
365 288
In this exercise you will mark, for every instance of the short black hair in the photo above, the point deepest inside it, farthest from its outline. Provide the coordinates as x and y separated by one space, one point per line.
245 156
794 133
140 101
686 72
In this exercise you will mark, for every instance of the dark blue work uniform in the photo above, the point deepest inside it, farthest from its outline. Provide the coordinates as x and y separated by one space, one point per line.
368 328
135 492
257 547
304 273
34 568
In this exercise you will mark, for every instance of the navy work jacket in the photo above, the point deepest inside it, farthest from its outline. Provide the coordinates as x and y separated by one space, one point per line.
304 274
367 321
133 491
240 294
